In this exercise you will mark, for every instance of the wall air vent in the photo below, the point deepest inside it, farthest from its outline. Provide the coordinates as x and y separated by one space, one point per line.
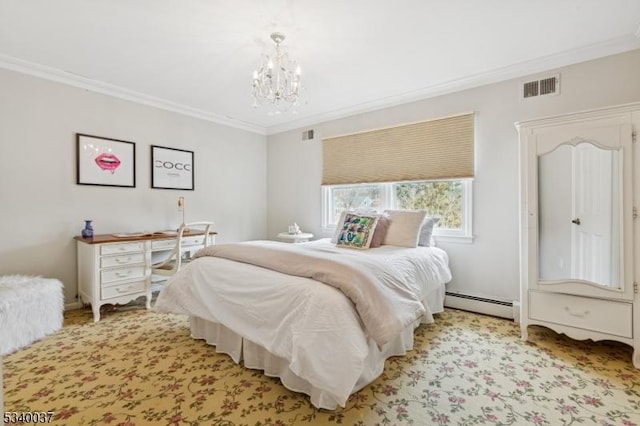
530 89
542 87
307 135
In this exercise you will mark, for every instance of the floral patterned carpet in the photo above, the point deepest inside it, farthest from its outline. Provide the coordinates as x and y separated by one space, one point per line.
138 367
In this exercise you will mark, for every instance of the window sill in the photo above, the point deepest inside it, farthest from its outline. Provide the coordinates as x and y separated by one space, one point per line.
457 239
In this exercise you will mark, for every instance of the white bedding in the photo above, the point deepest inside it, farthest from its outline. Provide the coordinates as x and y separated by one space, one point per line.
311 326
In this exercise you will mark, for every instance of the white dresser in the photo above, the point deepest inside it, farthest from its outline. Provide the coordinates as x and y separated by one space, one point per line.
580 235
115 270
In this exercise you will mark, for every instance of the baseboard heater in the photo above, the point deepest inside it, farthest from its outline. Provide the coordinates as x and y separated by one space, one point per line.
482 305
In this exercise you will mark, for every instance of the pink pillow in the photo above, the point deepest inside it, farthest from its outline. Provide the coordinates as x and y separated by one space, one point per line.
381 231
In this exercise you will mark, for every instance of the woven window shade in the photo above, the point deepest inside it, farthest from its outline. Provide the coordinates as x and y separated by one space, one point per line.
435 149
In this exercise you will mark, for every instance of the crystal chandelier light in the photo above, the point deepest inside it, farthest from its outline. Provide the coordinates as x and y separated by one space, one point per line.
276 82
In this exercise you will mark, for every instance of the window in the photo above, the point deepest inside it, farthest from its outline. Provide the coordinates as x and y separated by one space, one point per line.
432 170
450 200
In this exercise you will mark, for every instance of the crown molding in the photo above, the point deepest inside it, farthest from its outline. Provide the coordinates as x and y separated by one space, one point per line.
619 111
610 47
519 70
64 77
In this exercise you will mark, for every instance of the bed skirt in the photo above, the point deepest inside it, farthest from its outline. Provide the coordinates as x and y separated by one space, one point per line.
258 358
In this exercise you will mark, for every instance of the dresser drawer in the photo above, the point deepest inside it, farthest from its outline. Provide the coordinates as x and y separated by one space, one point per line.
119 274
122 247
123 259
123 289
163 244
605 316
193 241
196 240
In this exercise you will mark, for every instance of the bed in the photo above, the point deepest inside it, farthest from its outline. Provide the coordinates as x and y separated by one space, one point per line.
306 312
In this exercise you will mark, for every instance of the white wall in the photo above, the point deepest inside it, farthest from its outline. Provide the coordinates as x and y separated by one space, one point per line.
238 178
42 208
489 266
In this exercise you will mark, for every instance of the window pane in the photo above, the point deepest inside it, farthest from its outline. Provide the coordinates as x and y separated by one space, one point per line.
353 197
441 199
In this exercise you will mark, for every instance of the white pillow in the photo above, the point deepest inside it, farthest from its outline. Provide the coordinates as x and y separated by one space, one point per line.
404 229
426 232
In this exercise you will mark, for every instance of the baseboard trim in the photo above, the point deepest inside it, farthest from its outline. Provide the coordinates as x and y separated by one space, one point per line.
516 311
480 305
72 306
451 300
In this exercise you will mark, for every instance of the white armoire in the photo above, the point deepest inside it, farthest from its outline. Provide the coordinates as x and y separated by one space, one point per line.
579 236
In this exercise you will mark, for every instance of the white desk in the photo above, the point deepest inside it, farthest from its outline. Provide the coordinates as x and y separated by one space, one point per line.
300 237
114 270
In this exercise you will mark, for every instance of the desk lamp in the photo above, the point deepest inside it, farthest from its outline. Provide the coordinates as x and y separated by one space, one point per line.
181 207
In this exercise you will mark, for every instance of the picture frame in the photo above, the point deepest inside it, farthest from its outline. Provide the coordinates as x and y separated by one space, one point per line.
172 168
104 161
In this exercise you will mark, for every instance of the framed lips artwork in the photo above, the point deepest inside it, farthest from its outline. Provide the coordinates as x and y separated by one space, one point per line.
105 162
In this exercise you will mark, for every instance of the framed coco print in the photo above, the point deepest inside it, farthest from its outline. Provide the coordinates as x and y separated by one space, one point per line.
171 168
105 161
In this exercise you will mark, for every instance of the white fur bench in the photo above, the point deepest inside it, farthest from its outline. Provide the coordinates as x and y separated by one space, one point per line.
30 308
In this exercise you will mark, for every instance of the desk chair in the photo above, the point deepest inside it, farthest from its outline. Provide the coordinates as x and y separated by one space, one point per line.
175 259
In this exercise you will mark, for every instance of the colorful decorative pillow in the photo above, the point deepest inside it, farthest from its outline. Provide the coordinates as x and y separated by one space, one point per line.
404 229
366 212
426 232
334 238
356 231
381 231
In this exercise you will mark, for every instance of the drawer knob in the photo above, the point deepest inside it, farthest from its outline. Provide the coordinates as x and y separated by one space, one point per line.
121 290
576 314
123 274
119 260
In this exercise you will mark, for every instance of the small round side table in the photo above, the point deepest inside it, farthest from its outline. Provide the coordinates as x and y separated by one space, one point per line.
301 237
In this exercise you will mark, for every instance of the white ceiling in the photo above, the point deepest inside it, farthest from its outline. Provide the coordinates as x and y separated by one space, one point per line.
197 56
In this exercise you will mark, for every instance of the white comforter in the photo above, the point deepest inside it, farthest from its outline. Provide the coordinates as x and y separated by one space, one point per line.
312 325
386 298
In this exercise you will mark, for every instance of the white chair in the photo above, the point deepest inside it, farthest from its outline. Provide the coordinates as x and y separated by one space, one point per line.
176 257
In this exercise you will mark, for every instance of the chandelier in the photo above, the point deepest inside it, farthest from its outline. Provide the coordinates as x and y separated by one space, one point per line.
276 81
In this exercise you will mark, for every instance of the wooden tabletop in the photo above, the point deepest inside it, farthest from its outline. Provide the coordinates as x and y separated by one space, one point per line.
118 238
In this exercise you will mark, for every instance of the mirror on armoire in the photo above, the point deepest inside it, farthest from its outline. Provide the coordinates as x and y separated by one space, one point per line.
579 220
